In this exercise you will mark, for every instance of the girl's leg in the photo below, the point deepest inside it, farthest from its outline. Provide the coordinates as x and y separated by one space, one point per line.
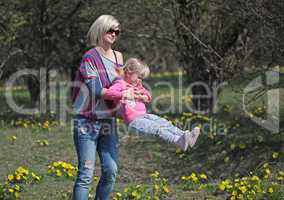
167 124
150 126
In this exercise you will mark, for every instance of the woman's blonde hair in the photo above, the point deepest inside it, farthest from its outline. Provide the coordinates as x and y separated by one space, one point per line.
134 65
102 24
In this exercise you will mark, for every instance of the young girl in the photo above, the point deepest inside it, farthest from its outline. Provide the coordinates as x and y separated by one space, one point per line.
130 96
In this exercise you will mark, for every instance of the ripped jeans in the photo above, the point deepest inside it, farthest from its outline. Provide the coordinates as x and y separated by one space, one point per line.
91 136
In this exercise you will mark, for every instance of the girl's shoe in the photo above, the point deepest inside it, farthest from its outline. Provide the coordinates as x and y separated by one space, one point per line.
193 136
184 141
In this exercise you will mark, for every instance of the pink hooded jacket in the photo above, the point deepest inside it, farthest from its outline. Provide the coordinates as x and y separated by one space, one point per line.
128 111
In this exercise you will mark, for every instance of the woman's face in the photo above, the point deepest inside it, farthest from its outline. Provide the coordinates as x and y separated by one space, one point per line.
111 35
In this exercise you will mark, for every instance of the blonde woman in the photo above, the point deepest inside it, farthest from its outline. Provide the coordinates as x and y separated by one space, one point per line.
94 123
130 96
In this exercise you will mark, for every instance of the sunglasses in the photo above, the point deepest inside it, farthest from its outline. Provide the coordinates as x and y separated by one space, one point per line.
111 31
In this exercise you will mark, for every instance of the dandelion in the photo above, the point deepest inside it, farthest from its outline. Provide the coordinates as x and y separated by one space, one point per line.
155 174
275 155
255 178
232 146
13 138
242 146
17 187
166 189
243 189
17 195
203 176
156 187
10 177
270 190
134 193
227 159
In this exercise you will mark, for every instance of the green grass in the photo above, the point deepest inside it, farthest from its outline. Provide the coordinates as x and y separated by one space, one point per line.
139 156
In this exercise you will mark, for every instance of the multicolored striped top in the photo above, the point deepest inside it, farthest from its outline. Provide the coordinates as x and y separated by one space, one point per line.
93 67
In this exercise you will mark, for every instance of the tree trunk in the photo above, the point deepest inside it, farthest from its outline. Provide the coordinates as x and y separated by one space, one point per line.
34 90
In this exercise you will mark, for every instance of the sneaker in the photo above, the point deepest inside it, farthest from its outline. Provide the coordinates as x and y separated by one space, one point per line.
193 136
183 141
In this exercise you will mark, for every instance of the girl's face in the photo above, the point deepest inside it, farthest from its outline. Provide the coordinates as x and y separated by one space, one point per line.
131 77
111 35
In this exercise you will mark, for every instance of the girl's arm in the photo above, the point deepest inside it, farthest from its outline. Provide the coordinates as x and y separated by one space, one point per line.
143 95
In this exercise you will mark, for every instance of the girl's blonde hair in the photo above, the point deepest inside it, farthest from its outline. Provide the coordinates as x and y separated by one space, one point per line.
99 27
134 65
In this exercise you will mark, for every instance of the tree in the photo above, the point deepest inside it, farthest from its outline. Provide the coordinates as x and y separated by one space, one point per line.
45 33
219 39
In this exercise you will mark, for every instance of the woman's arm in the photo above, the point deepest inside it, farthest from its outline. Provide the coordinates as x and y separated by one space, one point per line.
114 92
90 76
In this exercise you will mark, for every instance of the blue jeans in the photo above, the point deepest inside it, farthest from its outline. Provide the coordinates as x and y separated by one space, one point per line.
90 137
153 125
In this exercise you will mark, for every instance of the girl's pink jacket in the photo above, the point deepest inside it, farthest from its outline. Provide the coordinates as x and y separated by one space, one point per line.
126 110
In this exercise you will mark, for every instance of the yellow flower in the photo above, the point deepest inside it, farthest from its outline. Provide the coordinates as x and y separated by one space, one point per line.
202 187
222 187
17 195
227 159
232 146
13 138
35 177
193 177
233 198
275 155
155 174
166 189
242 146
270 190
265 165
178 151
203 176
10 177
58 173
22 171
267 171
126 190
243 189
156 198
156 187
118 194
134 193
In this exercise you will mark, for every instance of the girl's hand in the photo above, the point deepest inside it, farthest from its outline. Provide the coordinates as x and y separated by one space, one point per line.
128 94
143 98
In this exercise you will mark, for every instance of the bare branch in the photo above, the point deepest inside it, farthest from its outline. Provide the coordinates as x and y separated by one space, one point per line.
10 55
202 43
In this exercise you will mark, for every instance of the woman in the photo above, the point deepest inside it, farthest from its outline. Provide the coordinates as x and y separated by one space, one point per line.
95 124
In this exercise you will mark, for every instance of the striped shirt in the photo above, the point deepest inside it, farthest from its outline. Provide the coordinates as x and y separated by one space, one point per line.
93 67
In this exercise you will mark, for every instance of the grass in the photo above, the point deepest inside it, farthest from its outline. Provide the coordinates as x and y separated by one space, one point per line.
139 156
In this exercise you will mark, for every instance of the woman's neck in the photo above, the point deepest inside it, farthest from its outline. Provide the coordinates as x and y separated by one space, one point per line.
104 48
